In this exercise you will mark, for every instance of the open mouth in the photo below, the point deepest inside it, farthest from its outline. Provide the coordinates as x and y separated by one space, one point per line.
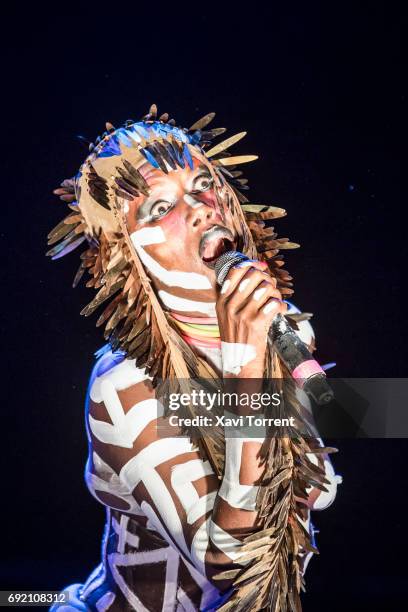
214 242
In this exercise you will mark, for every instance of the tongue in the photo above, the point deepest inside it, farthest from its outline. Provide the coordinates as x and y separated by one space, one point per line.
213 249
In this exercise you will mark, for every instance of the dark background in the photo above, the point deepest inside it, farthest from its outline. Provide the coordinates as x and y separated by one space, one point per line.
322 96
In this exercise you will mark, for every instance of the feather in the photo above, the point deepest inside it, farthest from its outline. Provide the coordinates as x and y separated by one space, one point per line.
225 144
70 247
211 134
201 123
79 274
239 159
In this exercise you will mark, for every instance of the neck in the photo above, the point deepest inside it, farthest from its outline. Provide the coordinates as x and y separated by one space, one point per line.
198 331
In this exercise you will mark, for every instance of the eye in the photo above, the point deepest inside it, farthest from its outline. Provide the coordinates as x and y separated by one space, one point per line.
204 182
159 209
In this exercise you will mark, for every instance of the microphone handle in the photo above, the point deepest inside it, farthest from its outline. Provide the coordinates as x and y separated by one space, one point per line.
307 373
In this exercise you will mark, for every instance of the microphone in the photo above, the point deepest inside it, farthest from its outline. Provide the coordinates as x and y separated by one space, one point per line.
308 374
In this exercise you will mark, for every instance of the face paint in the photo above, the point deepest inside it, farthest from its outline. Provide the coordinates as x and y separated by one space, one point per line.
192 201
235 355
174 302
171 278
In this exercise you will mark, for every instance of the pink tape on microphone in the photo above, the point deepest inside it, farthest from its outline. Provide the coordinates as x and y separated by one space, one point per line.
305 370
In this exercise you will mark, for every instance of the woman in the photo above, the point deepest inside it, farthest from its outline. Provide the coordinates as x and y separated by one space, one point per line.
199 522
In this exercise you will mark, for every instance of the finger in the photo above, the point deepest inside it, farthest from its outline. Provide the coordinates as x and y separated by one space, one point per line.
244 292
238 272
263 292
272 307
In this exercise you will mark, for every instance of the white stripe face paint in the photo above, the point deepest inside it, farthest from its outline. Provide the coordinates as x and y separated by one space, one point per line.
235 355
172 278
184 305
192 201
259 293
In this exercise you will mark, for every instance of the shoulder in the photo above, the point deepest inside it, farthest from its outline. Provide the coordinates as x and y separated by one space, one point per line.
113 370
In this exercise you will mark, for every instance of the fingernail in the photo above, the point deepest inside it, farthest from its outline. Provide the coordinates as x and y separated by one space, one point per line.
271 306
259 293
243 285
225 285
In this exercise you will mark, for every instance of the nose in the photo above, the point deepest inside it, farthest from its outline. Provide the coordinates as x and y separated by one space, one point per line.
201 215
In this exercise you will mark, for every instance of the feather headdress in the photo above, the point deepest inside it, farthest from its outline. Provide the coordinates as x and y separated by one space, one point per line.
136 323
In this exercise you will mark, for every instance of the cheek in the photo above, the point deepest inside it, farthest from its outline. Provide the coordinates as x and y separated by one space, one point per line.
175 232
209 198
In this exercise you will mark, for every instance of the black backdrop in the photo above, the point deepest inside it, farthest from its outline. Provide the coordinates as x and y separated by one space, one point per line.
321 94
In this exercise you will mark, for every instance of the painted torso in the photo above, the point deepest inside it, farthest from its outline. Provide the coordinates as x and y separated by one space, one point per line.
160 496
143 566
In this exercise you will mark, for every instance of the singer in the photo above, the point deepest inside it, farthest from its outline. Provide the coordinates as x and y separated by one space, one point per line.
189 526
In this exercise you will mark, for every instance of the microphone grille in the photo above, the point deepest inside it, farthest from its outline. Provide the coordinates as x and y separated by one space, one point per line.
225 262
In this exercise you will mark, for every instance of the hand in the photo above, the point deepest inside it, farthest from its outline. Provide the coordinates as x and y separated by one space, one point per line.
246 306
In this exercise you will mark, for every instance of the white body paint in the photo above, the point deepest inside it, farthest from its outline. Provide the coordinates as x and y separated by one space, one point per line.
192 201
236 494
173 302
223 540
107 481
235 355
121 376
125 428
174 505
182 479
171 278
